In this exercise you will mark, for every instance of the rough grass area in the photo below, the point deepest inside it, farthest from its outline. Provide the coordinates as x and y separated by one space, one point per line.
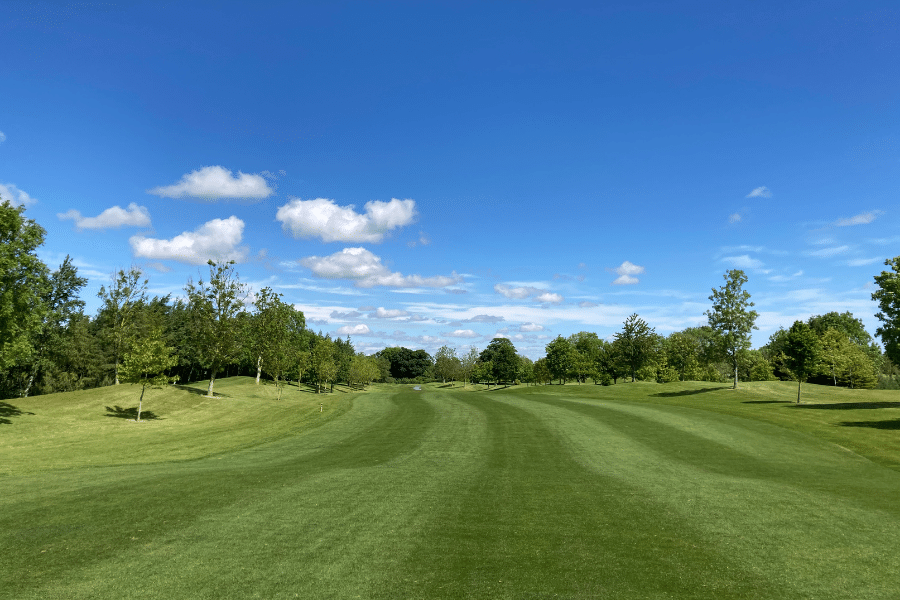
632 491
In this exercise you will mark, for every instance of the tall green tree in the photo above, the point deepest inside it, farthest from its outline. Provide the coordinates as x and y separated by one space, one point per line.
145 364
274 334
119 302
501 353
215 305
888 298
468 362
23 281
636 341
61 303
731 318
446 364
802 351
560 358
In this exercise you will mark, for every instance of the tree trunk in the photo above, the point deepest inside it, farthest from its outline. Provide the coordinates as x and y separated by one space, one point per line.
258 368
141 403
735 375
798 389
212 380
117 371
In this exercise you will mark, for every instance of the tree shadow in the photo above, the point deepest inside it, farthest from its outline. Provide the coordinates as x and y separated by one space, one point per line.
199 392
768 402
689 392
891 424
850 405
8 410
130 413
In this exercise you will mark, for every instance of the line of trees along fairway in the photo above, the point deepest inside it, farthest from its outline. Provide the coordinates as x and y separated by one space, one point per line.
48 344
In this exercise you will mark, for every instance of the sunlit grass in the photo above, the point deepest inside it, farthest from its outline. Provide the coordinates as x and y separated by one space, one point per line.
630 491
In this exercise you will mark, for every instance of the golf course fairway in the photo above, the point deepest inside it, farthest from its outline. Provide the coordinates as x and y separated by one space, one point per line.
684 490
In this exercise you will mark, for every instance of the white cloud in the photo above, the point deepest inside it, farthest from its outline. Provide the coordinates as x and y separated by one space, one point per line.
2 137
323 218
829 252
860 262
860 219
383 313
527 291
217 239
359 329
550 298
760 192
367 270
743 262
529 327
215 182
15 196
586 304
116 216
626 272
483 319
734 218
462 333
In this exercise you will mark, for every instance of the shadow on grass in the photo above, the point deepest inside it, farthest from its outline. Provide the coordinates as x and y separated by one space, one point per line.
689 392
768 402
130 413
8 410
199 392
891 424
850 405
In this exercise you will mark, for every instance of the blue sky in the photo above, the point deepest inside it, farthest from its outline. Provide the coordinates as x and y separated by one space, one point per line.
423 174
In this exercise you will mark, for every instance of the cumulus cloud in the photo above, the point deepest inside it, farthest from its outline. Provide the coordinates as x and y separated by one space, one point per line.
626 273
367 270
15 196
743 262
829 252
462 333
217 239
358 329
323 218
760 192
116 216
530 327
523 292
212 183
383 313
483 319
860 219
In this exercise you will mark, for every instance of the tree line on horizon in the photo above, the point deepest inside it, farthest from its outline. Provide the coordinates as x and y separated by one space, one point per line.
48 344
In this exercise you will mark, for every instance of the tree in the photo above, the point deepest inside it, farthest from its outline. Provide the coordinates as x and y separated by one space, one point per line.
125 292
61 303
145 365
446 364
321 363
275 332
636 342
501 353
467 363
587 348
888 297
683 351
526 369
731 318
560 358
609 361
802 351
215 306
540 371
23 278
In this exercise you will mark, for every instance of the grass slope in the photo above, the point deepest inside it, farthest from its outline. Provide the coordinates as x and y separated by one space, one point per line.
631 491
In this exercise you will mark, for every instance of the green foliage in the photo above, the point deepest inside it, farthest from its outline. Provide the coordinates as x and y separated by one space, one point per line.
408 364
501 353
560 358
215 306
119 303
731 318
145 364
636 343
888 298
446 364
23 285
802 350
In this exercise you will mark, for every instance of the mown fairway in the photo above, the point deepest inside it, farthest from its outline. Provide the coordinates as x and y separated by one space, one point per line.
633 491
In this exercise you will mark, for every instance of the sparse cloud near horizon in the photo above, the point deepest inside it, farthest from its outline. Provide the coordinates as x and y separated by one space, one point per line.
111 218
760 192
527 291
217 240
367 270
828 252
743 262
860 219
212 183
358 329
323 218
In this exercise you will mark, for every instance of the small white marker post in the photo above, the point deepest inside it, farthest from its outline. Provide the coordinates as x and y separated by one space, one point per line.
320 407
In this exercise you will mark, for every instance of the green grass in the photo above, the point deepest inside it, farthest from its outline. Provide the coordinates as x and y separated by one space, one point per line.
631 491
